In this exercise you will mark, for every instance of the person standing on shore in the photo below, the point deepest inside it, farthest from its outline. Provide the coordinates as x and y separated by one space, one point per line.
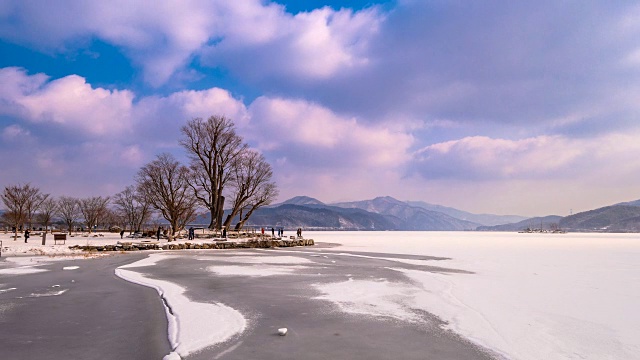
26 235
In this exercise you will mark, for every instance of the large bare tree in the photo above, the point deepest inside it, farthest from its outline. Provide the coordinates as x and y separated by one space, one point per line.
164 184
93 209
135 209
21 202
212 146
251 174
69 211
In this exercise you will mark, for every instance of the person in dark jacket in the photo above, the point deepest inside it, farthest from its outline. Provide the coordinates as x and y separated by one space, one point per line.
26 235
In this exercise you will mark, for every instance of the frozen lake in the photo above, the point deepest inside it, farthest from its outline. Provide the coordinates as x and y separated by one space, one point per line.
532 296
522 296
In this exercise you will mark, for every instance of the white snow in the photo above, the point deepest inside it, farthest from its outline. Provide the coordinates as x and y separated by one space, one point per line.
380 298
192 325
71 268
49 293
533 296
22 270
254 270
278 260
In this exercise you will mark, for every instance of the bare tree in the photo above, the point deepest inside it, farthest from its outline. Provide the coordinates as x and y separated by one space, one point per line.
69 211
34 200
164 184
251 173
212 146
133 208
21 201
93 209
48 209
266 193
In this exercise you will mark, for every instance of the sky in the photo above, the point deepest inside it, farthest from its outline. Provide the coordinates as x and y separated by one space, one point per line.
503 107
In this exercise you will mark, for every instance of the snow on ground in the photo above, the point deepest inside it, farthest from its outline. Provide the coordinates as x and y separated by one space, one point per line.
192 325
533 296
34 247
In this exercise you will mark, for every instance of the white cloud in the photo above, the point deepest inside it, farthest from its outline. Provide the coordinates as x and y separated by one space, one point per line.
309 45
301 127
162 38
68 101
543 157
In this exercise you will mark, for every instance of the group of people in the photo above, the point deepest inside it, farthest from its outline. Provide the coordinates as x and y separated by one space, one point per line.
273 232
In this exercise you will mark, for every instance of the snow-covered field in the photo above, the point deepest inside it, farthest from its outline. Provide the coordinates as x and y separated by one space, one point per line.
533 296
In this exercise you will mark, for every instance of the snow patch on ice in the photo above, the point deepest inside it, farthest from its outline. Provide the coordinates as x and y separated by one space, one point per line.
380 298
254 270
71 267
261 259
192 325
148 261
50 293
22 270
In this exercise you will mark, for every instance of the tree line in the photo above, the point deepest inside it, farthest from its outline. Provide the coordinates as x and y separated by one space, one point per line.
223 171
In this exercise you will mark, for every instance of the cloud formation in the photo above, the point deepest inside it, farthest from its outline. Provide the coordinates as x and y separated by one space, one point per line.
435 101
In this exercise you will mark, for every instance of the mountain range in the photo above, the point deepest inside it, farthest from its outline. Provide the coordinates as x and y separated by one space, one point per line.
381 213
387 213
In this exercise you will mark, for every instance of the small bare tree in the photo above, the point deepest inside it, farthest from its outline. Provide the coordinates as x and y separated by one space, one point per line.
69 211
164 184
48 209
34 200
212 146
93 209
133 208
251 173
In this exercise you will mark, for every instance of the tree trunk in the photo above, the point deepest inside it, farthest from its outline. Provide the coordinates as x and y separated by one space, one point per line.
212 223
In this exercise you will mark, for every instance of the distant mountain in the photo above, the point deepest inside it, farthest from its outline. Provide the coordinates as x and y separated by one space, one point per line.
412 217
545 223
321 217
300 200
616 218
630 203
482 219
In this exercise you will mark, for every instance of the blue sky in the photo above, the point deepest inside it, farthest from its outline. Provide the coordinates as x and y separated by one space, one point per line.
504 107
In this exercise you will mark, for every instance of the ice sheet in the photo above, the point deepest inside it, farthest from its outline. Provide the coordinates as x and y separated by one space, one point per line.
533 296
